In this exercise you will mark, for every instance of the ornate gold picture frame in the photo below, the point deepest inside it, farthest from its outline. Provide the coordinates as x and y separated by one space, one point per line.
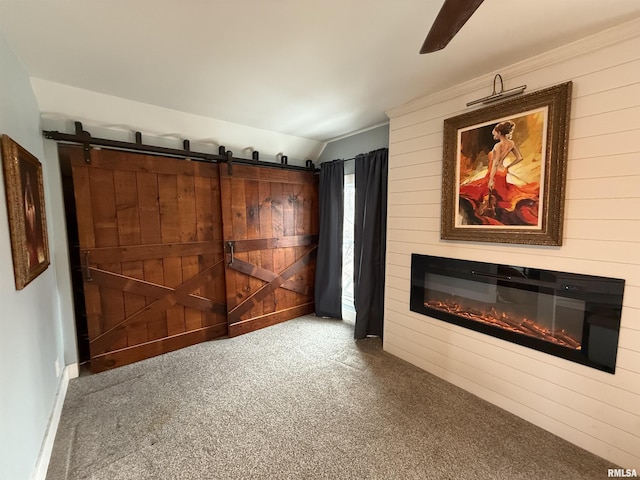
504 170
26 210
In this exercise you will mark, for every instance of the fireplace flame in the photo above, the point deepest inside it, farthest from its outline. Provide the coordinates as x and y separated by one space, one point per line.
501 320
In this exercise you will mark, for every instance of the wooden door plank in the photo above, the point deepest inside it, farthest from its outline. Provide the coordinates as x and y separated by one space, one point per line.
288 212
192 317
238 209
219 293
86 237
289 296
266 253
203 192
298 209
252 209
149 209
309 209
227 232
277 229
227 214
204 223
150 237
298 220
128 221
288 221
239 220
173 278
103 203
252 216
252 202
170 230
186 201
127 214
255 283
216 208
134 303
82 194
169 213
209 231
93 307
154 273
188 227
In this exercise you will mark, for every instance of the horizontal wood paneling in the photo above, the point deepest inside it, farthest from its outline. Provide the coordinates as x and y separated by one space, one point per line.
610 100
602 229
625 187
604 167
595 410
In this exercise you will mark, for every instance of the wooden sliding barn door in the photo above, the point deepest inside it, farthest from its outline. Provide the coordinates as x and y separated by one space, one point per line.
270 225
150 245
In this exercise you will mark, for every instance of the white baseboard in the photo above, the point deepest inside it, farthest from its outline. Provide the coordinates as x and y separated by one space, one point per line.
74 370
40 472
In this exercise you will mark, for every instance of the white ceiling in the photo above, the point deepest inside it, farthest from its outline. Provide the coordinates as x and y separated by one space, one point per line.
316 69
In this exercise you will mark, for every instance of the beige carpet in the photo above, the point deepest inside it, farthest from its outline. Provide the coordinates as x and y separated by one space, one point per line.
300 400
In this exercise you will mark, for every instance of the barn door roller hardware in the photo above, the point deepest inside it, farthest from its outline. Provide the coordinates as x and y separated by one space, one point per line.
498 95
85 139
228 155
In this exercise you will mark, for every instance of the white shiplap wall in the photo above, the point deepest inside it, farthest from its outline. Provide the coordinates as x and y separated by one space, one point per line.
595 410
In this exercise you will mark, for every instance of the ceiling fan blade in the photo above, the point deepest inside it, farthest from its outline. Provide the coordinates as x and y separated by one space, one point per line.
452 16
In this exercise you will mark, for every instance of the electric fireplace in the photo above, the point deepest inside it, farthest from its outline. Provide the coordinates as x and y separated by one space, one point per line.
569 315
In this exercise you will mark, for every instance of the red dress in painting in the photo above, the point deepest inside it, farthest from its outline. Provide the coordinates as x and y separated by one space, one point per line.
505 204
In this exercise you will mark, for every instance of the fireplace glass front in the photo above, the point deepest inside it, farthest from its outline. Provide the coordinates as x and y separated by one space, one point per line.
573 316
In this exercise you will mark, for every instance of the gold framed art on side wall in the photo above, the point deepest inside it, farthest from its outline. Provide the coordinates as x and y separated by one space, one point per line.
26 212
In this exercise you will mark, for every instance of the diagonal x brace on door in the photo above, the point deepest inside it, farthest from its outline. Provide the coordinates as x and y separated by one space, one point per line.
267 289
102 341
116 281
267 276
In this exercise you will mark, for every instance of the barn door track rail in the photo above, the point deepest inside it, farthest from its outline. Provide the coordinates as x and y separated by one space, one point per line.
84 138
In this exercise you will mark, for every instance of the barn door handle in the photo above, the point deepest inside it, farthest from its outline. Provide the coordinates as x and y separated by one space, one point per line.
230 245
87 270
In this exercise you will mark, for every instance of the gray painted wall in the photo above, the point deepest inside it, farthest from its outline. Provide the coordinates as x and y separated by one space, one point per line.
349 147
30 332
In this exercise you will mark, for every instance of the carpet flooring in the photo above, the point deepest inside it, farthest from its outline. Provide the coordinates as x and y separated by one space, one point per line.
299 400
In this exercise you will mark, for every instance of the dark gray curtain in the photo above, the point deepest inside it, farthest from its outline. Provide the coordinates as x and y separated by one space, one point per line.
370 241
328 287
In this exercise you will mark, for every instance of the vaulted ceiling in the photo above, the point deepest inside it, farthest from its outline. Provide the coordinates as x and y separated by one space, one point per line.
316 69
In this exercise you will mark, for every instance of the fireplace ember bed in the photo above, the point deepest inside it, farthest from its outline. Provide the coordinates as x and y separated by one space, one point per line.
569 315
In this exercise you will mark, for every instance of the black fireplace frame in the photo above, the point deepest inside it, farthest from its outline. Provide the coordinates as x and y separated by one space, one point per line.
602 296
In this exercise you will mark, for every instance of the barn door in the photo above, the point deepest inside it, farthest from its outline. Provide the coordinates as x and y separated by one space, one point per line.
150 248
270 230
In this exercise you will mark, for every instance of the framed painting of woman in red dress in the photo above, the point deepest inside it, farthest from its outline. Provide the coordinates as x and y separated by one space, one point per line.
504 170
